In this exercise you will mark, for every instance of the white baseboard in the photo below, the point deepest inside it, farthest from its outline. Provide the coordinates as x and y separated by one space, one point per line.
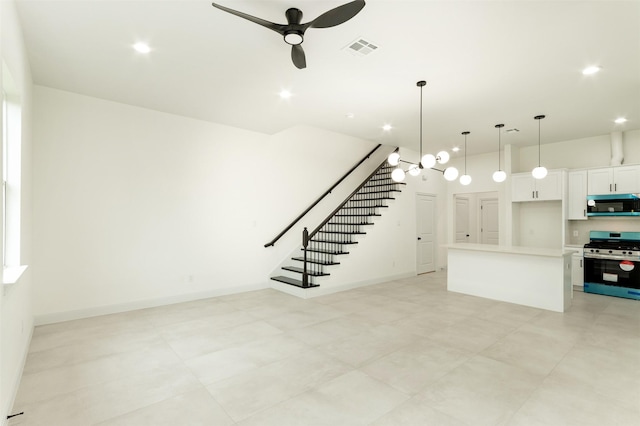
55 317
308 293
6 411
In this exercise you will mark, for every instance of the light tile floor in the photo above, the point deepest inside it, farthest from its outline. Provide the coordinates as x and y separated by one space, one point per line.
404 352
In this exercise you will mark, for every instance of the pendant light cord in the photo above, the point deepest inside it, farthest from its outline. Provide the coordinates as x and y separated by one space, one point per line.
538 142
539 117
499 126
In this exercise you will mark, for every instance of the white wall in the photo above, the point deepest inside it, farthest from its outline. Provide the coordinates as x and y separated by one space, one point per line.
16 317
136 207
480 168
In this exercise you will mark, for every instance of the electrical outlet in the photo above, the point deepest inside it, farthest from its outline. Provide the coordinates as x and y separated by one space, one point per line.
575 233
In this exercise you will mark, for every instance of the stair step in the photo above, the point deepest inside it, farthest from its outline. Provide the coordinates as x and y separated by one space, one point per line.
316 261
384 184
342 232
365 200
333 242
377 192
301 271
293 281
325 251
358 215
362 207
350 224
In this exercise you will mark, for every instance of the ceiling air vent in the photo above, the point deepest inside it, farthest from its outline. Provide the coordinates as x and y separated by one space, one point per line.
361 47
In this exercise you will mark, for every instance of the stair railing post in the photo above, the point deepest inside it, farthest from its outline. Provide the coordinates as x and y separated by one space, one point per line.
305 243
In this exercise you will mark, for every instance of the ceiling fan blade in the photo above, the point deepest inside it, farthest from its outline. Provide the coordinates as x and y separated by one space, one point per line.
298 57
337 16
279 28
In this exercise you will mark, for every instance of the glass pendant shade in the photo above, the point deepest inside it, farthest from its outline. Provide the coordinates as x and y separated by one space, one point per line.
499 176
539 172
393 159
414 170
443 157
450 173
428 161
397 175
465 179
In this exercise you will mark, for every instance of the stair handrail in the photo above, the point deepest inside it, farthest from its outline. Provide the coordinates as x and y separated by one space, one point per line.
327 192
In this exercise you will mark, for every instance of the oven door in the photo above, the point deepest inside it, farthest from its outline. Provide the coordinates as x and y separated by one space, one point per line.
612 275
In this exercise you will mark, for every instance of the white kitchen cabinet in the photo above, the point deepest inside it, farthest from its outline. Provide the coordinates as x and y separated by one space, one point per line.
614 180
577 197
577 269
525 187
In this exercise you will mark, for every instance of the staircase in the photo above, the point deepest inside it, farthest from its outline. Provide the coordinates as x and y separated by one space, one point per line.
325 246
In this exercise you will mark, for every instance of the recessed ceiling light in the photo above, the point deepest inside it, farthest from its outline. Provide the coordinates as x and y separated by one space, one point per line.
285 94
620 120
455 149
591 70
142 47
387 127
350 115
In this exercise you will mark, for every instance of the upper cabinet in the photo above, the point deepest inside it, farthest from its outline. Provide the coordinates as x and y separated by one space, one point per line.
614 180
577 199
525 187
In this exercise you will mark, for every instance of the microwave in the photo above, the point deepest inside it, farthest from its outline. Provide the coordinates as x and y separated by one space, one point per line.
613 205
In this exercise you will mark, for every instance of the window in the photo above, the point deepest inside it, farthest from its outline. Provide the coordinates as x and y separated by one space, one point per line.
11 178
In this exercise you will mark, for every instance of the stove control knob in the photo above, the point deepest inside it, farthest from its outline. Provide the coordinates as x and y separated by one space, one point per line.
610 251
597 251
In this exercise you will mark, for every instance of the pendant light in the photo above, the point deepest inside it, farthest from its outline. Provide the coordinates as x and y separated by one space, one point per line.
539 172
499 175
427 161
465 179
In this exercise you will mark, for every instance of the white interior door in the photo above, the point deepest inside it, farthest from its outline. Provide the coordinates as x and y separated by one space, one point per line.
426 239
462 220
489 231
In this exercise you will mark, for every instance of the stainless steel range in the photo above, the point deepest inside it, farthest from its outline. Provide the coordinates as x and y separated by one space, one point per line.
612 264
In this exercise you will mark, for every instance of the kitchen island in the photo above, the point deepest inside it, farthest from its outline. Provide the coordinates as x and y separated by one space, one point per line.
530 276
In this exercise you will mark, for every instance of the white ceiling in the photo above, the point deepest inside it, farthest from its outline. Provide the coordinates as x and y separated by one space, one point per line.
485 62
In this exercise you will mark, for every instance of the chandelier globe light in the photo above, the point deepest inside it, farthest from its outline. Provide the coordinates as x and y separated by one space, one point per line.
450 174
394 159
539 172
398 174
499 175
443 157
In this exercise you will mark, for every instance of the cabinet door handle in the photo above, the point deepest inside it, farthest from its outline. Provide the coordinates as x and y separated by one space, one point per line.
537 194
609 187
615 187
533 194
581 263
584 212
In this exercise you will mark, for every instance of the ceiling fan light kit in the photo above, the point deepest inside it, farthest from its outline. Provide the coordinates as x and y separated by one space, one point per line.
293 31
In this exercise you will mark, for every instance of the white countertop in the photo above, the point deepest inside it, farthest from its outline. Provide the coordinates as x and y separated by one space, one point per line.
532 251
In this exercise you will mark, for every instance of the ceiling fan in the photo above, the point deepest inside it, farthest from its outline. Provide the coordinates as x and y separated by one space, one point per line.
293 31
